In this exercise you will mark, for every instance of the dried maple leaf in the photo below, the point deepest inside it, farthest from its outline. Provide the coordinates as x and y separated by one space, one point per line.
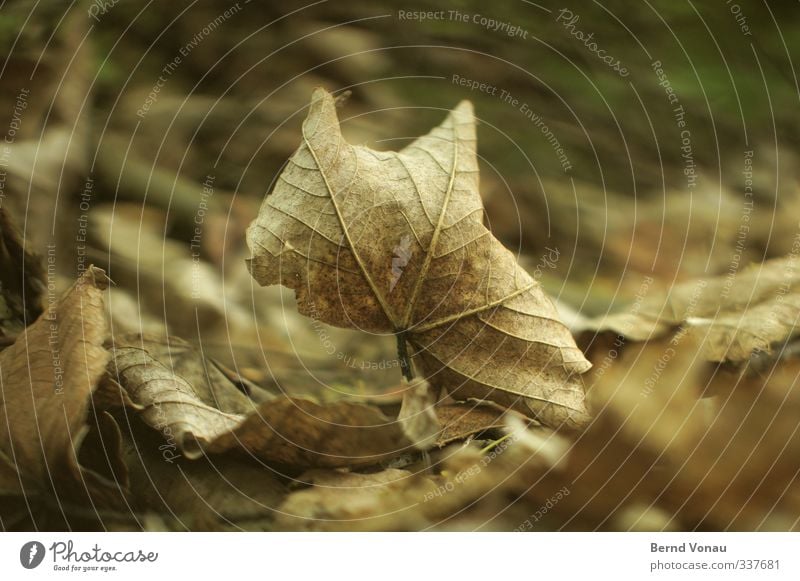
46 380
394 242
735 317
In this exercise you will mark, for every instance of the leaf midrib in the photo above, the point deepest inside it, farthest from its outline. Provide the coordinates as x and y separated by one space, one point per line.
435 236
381 300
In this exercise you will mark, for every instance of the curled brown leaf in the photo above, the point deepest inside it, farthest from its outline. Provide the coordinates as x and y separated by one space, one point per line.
46 380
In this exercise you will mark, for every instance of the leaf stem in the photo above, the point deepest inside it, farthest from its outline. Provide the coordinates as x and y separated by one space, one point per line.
402 355
496 443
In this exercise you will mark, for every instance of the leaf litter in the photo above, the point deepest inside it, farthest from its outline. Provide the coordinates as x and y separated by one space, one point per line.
689 425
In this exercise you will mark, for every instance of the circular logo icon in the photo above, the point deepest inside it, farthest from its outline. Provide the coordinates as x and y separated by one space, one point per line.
31 554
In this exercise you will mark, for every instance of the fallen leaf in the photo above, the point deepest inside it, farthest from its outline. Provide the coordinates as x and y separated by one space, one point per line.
735 317
393 242
46 380
462 420
300 432
210 493
350 501
407 500
189 414
216 417
659 457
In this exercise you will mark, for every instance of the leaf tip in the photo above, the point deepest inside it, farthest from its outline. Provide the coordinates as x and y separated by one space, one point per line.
95 276
464 113
465 107
321 114
320 94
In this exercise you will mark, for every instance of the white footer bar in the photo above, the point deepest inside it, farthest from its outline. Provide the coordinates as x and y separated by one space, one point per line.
401 556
